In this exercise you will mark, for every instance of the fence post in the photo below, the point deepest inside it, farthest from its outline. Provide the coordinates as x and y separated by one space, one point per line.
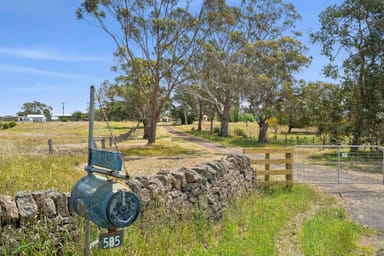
338 165
50 146
288 165
267 166
102 143
382 164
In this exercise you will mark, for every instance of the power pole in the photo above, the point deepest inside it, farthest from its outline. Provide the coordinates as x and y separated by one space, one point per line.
63 103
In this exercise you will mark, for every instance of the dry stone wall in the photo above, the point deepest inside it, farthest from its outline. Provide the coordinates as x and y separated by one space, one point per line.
208 187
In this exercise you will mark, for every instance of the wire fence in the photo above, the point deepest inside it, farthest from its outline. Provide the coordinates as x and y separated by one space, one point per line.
339 164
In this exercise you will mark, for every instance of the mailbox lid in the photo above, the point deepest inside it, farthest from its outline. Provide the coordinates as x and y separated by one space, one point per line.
123 208
100 201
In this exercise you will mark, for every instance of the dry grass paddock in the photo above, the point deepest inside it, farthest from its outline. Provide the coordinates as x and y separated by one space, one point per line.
26 165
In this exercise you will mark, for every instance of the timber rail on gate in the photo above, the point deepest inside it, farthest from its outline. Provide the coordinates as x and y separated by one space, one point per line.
270 162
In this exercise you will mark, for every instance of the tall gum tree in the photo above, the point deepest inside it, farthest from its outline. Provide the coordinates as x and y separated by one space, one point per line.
222 59
273 55
164 33
352 36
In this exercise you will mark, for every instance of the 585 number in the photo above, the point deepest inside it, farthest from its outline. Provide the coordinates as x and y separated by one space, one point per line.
111 240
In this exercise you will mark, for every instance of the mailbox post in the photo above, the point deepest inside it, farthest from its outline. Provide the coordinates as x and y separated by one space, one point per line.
99 198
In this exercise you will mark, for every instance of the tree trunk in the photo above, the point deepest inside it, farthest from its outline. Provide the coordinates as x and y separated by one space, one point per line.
263 128
356 140
154 112
185 117
224 132
147 129
200 123
152 129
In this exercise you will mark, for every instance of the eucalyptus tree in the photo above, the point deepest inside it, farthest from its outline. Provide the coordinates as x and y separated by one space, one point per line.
111 105
136 90
222 59
324 105
273 55
35 108
164 33
352 36
292 110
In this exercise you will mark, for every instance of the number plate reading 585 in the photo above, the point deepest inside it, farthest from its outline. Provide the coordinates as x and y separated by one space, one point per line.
111 240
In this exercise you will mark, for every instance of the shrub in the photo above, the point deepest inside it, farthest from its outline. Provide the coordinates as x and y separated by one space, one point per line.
5 126
246 117
239 132
12 124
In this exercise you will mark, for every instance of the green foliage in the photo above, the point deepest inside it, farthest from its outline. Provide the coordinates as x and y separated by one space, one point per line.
248 141
12 124
165 33
78 116
354 30
242 117
7 125
247 117
325 109
36 108
239 132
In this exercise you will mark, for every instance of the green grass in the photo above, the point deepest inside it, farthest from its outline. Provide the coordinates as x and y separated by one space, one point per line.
248 227
31 172
249 135
330 232
246 141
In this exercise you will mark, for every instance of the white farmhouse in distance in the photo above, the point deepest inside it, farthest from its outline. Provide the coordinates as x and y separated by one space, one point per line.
32 118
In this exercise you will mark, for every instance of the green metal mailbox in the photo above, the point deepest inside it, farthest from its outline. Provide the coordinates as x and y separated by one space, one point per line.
108 204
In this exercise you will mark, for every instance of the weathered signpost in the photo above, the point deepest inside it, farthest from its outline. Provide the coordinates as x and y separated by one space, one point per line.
102 198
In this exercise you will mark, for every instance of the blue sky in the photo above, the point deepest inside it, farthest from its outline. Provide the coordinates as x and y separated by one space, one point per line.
47 55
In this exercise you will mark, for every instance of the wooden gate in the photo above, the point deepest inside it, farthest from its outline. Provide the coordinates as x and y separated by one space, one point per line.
267 162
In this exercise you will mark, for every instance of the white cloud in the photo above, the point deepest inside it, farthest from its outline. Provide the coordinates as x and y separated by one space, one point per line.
48 54
34 88
41 72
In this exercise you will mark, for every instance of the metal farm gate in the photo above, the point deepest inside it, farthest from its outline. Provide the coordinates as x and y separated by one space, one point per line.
338 164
